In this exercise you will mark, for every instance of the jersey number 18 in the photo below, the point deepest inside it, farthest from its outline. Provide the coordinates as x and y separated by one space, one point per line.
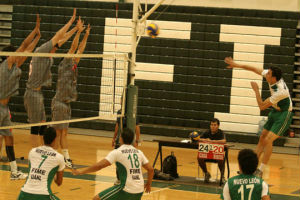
135 161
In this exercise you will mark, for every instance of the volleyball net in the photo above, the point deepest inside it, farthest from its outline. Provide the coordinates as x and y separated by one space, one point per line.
94 90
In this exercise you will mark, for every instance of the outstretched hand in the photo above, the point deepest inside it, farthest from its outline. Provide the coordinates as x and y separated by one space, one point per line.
88 29
230 62
79 25
74 16
38 21
37 25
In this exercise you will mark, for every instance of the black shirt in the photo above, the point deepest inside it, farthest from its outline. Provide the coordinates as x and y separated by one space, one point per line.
219 135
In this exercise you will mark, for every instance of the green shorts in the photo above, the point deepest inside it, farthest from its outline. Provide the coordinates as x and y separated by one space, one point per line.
117 193
278 121
28 196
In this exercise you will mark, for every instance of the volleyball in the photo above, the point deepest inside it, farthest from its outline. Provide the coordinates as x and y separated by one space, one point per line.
153 30
195 136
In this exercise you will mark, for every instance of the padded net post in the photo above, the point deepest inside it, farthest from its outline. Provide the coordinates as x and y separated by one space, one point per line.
131 106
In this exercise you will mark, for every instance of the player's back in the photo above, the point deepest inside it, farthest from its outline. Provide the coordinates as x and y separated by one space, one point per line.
129 161
44 162
247 187
66 81
40 68
9 80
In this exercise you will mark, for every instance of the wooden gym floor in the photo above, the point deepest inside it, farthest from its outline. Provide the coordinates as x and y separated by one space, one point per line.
282 174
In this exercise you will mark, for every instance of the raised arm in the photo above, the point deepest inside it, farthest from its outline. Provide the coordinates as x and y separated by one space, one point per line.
83 43
96 167
61 33
66 36
232 64
29 49
25 44
74 45
261 104
31 36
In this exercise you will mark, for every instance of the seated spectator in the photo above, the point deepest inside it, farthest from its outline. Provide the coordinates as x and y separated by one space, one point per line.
217 135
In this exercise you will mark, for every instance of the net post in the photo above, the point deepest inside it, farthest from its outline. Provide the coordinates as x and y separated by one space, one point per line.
132 90
131 105
131 97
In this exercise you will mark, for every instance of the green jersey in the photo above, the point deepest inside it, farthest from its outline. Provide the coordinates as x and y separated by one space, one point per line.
280 95
245 187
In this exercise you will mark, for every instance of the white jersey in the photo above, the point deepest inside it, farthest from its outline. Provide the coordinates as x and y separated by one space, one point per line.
44 162
129 161
280 95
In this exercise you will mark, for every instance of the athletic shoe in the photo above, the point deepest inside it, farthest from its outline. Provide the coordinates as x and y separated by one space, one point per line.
258 173
69 163
117 182
207 177
18 175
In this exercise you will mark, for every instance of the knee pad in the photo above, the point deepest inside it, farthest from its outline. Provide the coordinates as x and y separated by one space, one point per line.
35 130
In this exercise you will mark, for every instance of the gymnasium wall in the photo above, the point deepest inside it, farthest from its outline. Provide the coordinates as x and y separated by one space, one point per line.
182 78
287 5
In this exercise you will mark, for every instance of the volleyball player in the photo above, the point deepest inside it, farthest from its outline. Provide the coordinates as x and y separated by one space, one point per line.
39 76
130 162
10 74
280 116
66 90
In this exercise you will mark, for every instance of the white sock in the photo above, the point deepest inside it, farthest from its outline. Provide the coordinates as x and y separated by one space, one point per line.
262 167
13 166
65 152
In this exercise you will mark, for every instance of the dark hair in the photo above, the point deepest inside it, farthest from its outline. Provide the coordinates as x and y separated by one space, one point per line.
49 135
248 161
8 48
215 120
276 72
127 136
